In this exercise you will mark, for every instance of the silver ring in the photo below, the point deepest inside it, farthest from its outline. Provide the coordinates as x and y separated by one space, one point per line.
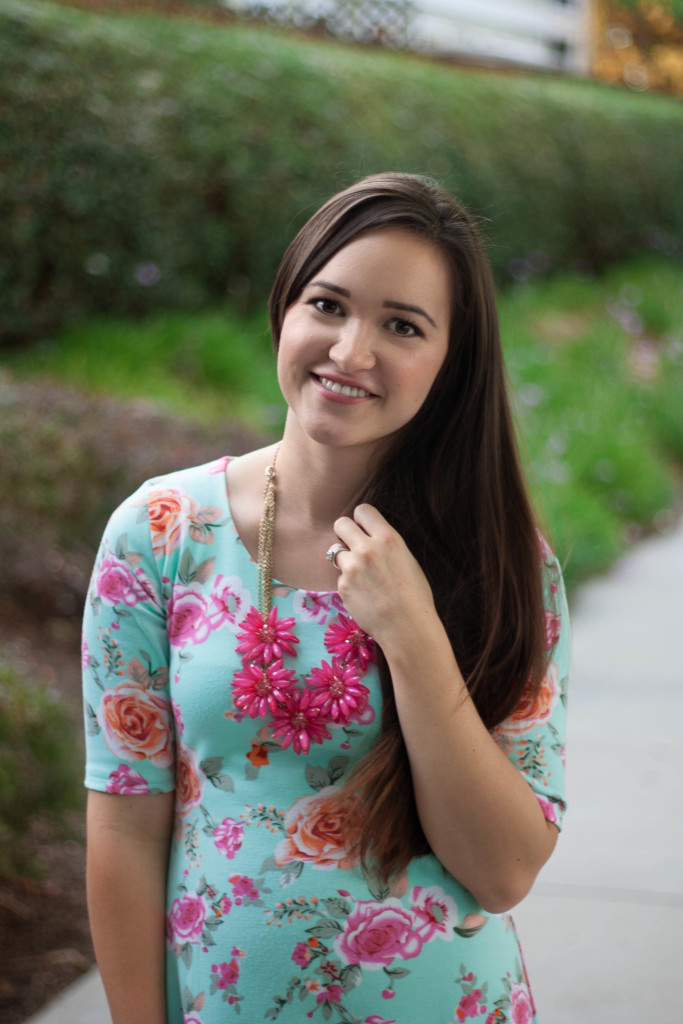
331 553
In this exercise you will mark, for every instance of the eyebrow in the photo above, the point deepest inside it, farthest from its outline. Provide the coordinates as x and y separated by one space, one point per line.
387 304
392 304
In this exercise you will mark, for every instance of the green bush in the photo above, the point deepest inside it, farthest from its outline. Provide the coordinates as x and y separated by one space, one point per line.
597 371
40 766
151 163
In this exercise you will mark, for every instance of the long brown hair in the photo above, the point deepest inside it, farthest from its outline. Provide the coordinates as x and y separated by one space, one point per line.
451 483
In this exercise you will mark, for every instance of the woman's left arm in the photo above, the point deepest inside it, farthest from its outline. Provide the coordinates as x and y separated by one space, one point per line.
479 814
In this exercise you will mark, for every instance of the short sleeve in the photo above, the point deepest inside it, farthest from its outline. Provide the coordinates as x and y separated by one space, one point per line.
125 656
534 736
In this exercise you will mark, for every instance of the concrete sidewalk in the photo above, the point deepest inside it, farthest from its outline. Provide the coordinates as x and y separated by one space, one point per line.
603 928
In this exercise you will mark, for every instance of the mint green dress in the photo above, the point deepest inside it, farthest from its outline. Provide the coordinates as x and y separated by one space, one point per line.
254 724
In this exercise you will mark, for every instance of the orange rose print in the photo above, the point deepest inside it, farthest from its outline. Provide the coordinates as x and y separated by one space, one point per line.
188 786
533 711
136 724
319 832
169 509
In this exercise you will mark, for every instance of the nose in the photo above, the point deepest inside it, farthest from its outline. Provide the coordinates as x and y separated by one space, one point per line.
354 348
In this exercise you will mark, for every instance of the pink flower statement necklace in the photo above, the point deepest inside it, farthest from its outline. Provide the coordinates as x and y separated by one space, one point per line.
264 686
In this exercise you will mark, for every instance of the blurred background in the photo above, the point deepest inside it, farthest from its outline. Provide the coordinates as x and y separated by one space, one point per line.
156 159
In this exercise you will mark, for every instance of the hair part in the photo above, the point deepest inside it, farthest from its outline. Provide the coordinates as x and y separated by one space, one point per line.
451 483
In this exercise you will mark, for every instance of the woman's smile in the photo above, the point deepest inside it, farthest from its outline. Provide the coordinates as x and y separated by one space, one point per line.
338 390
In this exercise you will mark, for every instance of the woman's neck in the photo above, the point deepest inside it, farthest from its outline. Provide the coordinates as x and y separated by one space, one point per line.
317 482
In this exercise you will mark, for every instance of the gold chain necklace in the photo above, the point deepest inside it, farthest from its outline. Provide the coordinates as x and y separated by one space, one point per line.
264 554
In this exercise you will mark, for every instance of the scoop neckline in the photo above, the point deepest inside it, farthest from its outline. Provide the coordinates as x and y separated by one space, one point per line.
252 560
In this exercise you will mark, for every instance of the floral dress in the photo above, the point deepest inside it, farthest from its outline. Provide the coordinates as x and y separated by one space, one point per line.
254 724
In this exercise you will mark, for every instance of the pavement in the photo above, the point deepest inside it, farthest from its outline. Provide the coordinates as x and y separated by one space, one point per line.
602 930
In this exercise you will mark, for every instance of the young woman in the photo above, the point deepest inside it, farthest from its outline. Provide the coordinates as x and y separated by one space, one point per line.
325 681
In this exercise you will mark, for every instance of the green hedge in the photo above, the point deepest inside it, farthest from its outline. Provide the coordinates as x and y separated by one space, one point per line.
151 162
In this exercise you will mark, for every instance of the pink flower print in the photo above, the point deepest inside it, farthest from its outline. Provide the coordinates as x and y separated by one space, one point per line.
225 905
376 1019
243 888
549 808
388 993
219 465
228 974
339 692
191 1018
226 601
258 688
469 1005
364 715
187 616
312 606
553 622
546 551
228 837
435 913
265 641
302 954
521 1009
376 933
331 994
85 654
299 723
348 640
186 918
126 781
178 717
116 583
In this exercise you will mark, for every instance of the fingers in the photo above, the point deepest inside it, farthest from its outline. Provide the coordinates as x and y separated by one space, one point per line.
366 521
365 536
369 519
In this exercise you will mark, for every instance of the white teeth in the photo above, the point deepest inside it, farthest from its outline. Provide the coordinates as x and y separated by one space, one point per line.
343 389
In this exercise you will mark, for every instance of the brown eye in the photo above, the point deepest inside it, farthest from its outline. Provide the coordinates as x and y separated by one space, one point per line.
404 328
328 306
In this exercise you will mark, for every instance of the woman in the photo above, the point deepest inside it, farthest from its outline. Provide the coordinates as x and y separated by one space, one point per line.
319 783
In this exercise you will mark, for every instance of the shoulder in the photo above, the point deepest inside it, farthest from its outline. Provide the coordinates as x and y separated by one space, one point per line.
165 503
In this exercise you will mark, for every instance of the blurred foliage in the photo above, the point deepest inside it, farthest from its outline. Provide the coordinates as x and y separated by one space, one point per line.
40 767
597 371
640 44
210 365
672 9
151 162
66 461
596 367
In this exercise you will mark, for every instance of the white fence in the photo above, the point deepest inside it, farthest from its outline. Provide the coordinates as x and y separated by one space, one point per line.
541 33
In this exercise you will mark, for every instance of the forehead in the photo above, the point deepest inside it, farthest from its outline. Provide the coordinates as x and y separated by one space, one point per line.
390 257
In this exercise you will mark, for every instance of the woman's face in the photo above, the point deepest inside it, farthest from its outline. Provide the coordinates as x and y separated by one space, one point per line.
361 346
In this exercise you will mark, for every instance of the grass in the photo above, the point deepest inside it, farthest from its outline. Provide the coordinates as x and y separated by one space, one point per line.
207 366
596 368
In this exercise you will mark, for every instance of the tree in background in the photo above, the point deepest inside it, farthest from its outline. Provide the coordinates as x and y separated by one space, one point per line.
639 44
